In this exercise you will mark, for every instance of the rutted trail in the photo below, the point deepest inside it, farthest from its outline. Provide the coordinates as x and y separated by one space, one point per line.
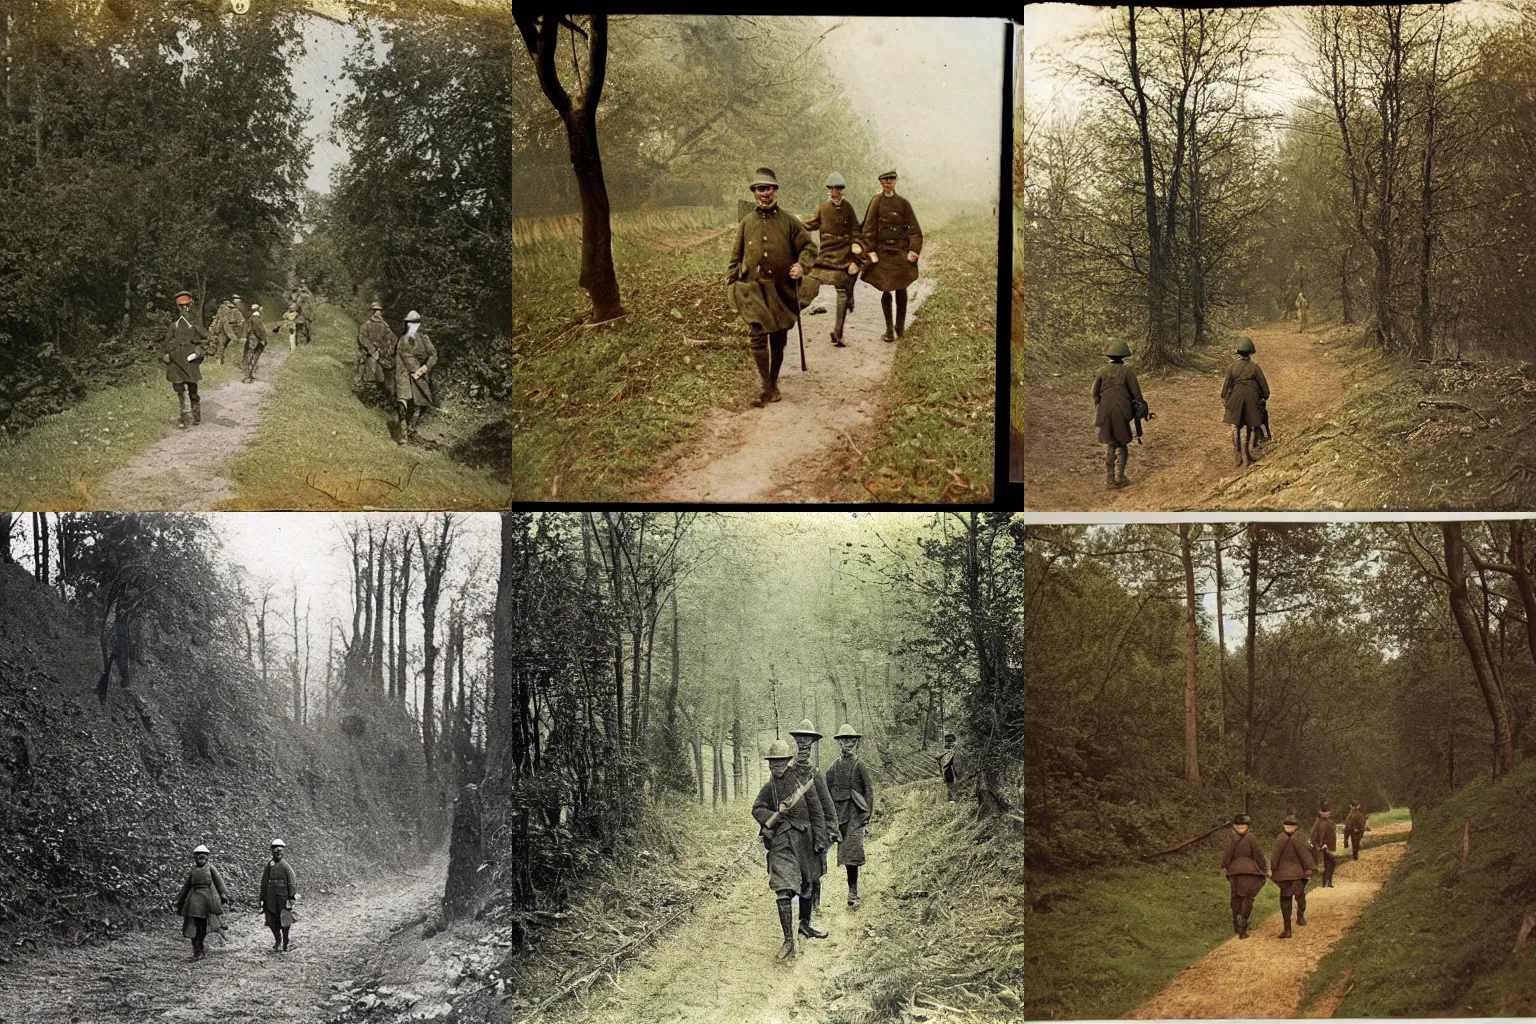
1187 450
151 976
1262 976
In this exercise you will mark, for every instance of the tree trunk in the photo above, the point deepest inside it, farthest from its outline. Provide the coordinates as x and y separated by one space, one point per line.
42 536
376 659
1221 634
736 765
5 517
466 852
1191 755
400 627
392 614
1482 665
1253 606
298 688
1157 269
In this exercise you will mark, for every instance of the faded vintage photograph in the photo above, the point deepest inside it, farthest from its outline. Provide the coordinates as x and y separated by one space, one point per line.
755 258
1274 258
253 255
1279 770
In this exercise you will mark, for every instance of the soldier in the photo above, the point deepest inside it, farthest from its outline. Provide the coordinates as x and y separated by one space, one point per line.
893 239
1244 389
1354 829
1325 840
290 325
278 891
790 815
233 328
1301 311
1243 860
853 797
952 765
1116 394
414 356
181 354
216 328
1291 864
201 901
375 347
836 264
804 735
306 302
773 250
255 341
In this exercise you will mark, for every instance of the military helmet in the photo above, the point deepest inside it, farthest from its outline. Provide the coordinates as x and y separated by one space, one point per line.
1290 819
887 174
1118 350
1326 809
835 180
778 750
1242 819
278 842
255 307
1245 346
948 735
200 849
763 176
183 298
846 733
375 305
805 728
413 317
1354 803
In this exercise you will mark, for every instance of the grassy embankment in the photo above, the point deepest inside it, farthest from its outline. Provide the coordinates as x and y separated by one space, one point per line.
1439 938
318 447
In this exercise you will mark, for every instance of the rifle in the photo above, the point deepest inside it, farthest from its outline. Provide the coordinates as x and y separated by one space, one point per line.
765 833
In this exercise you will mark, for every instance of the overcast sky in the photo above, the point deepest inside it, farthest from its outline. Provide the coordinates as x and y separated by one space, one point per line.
318 81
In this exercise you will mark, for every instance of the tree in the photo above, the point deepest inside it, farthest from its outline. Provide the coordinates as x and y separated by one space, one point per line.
435 548
1191 734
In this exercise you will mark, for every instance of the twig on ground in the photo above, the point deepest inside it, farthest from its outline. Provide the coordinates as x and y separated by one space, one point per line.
602 323
1440 403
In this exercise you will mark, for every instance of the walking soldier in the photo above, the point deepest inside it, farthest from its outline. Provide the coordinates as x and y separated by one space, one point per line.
201 901
1354 828
836 263
1325 840
1291 864
1116 401
853 797
1243 861
290 322
1244 392
255 341
773 251
182 352
893 239
278 890
375 347
791 814
804 735
414 357
952 765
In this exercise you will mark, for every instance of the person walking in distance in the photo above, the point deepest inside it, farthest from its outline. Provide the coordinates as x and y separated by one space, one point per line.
201 900
255 342
853 799
1291 864
1116 395
1244 392
279 888
892 240
182 353
1325 840
1242 858
789 815
1354 829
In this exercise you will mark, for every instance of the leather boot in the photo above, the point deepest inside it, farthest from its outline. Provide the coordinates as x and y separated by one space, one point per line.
400 417
775 362
1109 468
853 885
901 312
1285 913
181 400
1242 927
890 327
807 929
787 923
197 411
760 357
1301 911
1124 456
816 895
842 313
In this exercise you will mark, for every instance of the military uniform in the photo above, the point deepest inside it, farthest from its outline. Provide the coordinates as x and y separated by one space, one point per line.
412 393
306 302
891 230
768 241
255 342
1354 830
278 889
839 229
1242 858
1325 840
289 326
790 842
1116 392
181 353
375 347
1291 864
952 765
1245 393
232 329
1301 311
200 904
853 797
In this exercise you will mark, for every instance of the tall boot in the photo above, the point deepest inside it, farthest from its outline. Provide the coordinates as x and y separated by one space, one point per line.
400 417
197 410
807 929
1236 902
775 362
901 312
816 894
1109 467
842 312
1301 909
1124 453
852 287
760 357
1285 913
1244 912
787 923
285 940
1242 926
853 885
890 327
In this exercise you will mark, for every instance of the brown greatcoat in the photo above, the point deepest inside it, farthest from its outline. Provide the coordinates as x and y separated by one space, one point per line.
792 863
183 338
375 348
768 241
1243 388
829 833
412 352
1354 823
1325 833
891 229
1243 860
1290 859
848 782
1112 391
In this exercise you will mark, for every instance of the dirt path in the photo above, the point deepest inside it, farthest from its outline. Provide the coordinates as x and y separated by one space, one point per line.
1263 977
788 451
151 976
1187 450
719 966
185 470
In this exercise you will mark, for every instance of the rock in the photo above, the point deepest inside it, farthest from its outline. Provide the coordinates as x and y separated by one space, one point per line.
366 1003
1008 998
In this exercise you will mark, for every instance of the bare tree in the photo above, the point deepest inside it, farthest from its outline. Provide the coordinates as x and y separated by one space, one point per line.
435 548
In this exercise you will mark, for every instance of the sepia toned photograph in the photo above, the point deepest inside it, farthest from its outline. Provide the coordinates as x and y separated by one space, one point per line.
253 255
755 258
1279 770
1274 258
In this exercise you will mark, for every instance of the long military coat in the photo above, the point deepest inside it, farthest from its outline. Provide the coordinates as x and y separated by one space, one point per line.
1112 391
891 229
412 351
829 832
1242 858
182 339
767 243
853 795
1290 860
1242 389
375 348
840 228
792 864
255 333
1354 823
202 894
278 886
1325 834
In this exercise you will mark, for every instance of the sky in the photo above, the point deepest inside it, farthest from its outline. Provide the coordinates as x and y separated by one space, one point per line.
932 90
318 81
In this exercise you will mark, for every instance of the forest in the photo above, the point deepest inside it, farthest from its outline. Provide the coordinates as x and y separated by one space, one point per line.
1180 674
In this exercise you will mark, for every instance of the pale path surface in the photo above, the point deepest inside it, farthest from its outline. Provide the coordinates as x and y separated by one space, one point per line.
1262 976
785 451
1186 450
184 471
151 975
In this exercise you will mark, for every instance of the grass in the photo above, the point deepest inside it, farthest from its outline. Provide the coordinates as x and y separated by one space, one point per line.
936 441
1389 817
319 448
54 466
1437 940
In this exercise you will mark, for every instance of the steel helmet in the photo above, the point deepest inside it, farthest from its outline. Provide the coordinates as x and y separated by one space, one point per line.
778 750
1290 819
376 305
845 733
278 842
200 849
1245 346
805 728
835 180
763 176
1118 350
413 317
1242 819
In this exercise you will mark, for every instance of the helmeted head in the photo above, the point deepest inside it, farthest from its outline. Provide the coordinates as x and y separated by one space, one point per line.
1245 346
413 317
804 734
1241 823
1354 805
235 298
778 758
255 307
293 307
377 307
200 854
835 185
847 739
1118 349
764 186
888 182
183 300
278 849
1290 823
1325 810
949 740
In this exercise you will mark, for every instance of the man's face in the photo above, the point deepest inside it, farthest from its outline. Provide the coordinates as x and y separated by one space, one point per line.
949 741
765 194
277 853
201 858
888 185
836 192
182 307
778 768
1327 814
1289 829
849 746
1242 830
803 744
